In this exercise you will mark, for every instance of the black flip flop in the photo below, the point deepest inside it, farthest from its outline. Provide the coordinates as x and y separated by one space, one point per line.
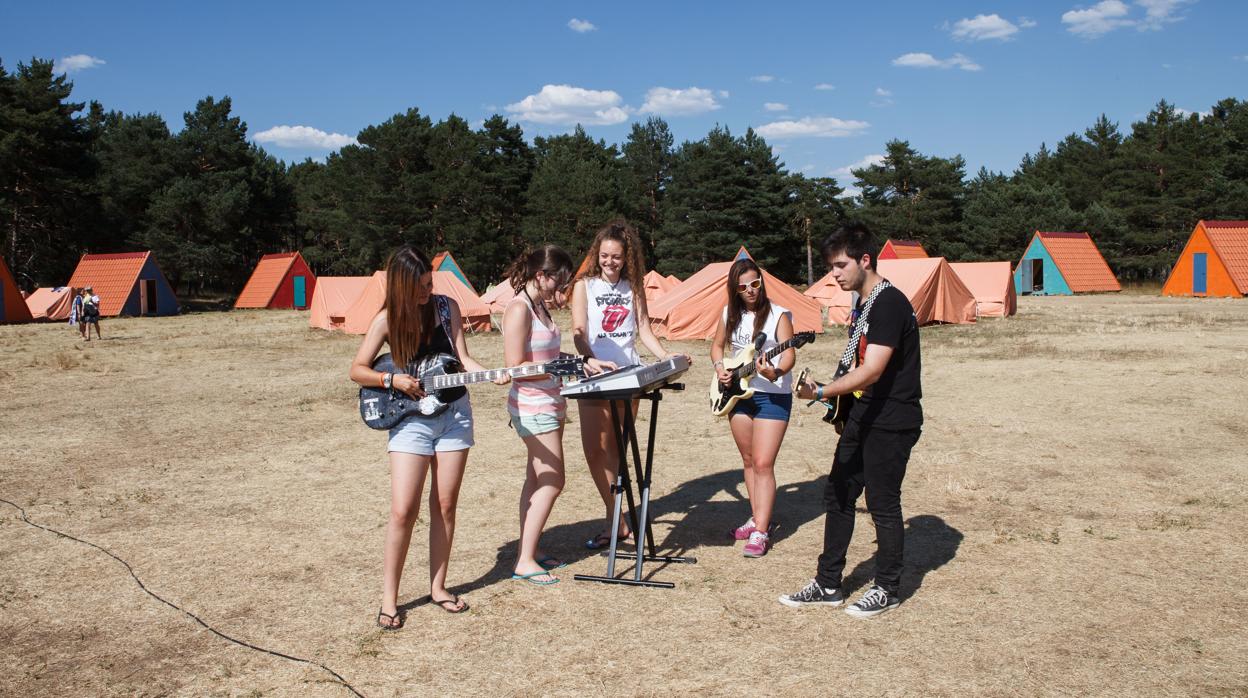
389 626
454 600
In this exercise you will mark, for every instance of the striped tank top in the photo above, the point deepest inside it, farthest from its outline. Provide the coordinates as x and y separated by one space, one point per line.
533 397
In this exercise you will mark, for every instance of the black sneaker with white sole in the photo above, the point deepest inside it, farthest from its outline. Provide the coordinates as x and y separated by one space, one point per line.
873 603
813 594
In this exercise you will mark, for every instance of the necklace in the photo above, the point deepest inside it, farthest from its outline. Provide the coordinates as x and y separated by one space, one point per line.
614 286
537 304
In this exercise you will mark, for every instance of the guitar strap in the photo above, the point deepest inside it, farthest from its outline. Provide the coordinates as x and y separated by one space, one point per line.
444 316
860 327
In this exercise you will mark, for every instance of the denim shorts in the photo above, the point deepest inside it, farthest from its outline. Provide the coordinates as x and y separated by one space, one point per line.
424 436
534 424
766 406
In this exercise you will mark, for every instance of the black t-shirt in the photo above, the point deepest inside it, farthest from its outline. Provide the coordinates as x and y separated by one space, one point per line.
893 402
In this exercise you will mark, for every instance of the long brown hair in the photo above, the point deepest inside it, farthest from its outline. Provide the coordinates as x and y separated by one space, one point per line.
634 270
551 260
736 306
409 324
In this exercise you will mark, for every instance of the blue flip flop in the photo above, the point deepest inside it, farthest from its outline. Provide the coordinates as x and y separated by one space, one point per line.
530 578
550 562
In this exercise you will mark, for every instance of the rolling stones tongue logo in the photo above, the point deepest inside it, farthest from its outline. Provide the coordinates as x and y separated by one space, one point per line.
613 316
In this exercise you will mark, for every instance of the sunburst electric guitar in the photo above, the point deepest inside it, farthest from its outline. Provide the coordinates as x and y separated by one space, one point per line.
742 365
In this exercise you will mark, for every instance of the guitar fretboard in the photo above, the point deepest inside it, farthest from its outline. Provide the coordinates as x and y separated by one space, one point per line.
748 369
454 380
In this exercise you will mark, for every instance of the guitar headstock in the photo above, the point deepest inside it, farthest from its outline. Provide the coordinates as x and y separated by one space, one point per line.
801 339
566 366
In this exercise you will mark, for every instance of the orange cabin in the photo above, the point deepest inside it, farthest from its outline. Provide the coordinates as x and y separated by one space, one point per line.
1214 263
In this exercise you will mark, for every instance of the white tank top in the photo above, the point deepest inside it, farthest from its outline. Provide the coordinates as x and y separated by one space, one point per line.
743 337
612 321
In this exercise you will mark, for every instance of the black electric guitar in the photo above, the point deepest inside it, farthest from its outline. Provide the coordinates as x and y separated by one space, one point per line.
725 397
838 406
381 408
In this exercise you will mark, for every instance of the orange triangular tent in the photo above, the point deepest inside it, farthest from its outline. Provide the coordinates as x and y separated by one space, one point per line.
692 309
1214 262
902 249
992 284
360 315
936 293
13 306
128 283
280 280
51 303
498 296
657 285
333 297
445 261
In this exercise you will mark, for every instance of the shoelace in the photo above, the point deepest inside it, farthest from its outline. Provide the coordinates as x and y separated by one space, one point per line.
875 597
811 591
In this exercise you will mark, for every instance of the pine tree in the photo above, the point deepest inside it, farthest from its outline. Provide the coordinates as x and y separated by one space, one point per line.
910 196
577 186
648 162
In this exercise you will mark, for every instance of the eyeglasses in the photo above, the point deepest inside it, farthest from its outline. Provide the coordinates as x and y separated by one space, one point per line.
755 284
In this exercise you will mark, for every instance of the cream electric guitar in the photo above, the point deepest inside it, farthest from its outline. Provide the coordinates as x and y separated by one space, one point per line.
725 397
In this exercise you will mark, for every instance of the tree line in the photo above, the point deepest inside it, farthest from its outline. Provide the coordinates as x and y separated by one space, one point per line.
76 178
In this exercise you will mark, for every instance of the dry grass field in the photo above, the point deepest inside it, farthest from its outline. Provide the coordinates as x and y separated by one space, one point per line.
1076 513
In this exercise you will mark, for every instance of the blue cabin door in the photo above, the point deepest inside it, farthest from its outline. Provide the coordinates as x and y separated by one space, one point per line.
1200 272
301 292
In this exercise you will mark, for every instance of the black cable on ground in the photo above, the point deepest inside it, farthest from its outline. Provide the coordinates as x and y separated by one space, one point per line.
178 608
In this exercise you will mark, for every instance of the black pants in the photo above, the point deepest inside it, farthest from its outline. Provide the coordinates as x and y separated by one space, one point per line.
875 459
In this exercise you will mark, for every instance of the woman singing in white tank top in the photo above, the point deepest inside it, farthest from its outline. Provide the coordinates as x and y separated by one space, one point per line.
608 316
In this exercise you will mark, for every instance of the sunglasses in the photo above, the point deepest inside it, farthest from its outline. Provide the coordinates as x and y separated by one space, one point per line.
755 284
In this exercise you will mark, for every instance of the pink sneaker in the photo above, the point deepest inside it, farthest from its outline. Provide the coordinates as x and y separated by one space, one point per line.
743 531
758 545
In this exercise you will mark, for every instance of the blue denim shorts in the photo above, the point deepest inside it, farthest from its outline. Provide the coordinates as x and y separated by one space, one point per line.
766 406
425 436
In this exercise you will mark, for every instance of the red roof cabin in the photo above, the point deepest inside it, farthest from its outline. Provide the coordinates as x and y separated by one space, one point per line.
281 280
903 249
128 283
1214 262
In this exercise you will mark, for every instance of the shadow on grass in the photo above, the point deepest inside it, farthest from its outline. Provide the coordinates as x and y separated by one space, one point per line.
930 544
683 520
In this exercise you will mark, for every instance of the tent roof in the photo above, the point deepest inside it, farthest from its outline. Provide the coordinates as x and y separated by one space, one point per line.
908 249
992 284
445 257
657 285
692 309
110 276
1080 262
372 297
50 303
1230 239
14 307
498 296
265 280
935 291
332 297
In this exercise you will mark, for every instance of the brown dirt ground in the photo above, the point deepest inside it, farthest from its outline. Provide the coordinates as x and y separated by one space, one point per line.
1076 511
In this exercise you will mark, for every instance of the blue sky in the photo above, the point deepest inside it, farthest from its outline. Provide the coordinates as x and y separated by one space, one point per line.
826 82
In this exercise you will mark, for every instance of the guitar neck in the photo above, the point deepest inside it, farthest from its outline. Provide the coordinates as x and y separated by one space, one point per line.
748 369
455 380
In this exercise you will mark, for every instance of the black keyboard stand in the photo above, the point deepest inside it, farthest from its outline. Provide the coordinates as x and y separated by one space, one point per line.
626 441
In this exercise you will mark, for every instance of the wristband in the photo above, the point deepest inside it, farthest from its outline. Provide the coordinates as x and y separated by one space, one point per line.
387 380
819 394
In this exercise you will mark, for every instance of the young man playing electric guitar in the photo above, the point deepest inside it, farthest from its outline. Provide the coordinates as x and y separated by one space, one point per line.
882 426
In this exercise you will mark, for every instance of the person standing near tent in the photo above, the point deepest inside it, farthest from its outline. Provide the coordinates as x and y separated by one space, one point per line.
760 422
608 315
75 314
416 324
883 426
90 313
531 336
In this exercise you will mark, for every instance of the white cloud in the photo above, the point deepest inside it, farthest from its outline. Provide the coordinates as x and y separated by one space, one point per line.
580 26
927 60
775 106
75 63
1160 12
823 86
1241 58
1187 112
670 102
567 105
981 27
1101 18
303 137
763 78
846 174
881 92
724 94
1026 23
817 127
808 168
